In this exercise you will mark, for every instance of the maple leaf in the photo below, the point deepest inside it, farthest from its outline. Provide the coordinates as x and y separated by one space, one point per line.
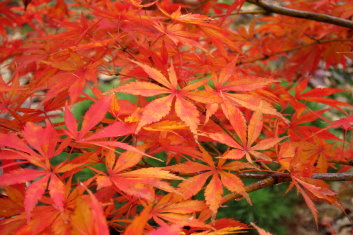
138 4
82 214
172 208
205 23
219 174
12 203
166 125
305 158
196 19
138 224
36 189
97 214
160 107
139 182
38 144
74 71
345 123
318 190
44 140
173 229
286 154
92 117
230 81
177 34
75 32
247 135
298 131
314 95
236 5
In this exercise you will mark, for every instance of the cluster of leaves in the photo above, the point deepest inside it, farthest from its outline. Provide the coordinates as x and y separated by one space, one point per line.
206 113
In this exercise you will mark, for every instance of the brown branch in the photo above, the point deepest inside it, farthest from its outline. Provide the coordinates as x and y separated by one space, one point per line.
345 176
251 188
262 176
230 134
303 14
277 178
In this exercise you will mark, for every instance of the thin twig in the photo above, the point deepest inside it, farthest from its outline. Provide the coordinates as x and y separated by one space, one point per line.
241 13
250 188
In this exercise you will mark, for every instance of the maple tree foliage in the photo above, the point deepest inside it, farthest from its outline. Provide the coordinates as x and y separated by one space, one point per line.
192 109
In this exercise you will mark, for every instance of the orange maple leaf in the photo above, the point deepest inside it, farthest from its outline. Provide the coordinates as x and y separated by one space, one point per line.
160 107
139 182
247 135
220 177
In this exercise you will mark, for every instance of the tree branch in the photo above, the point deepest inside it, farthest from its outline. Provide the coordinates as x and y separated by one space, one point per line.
345 176
251 188
277 178
303 14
